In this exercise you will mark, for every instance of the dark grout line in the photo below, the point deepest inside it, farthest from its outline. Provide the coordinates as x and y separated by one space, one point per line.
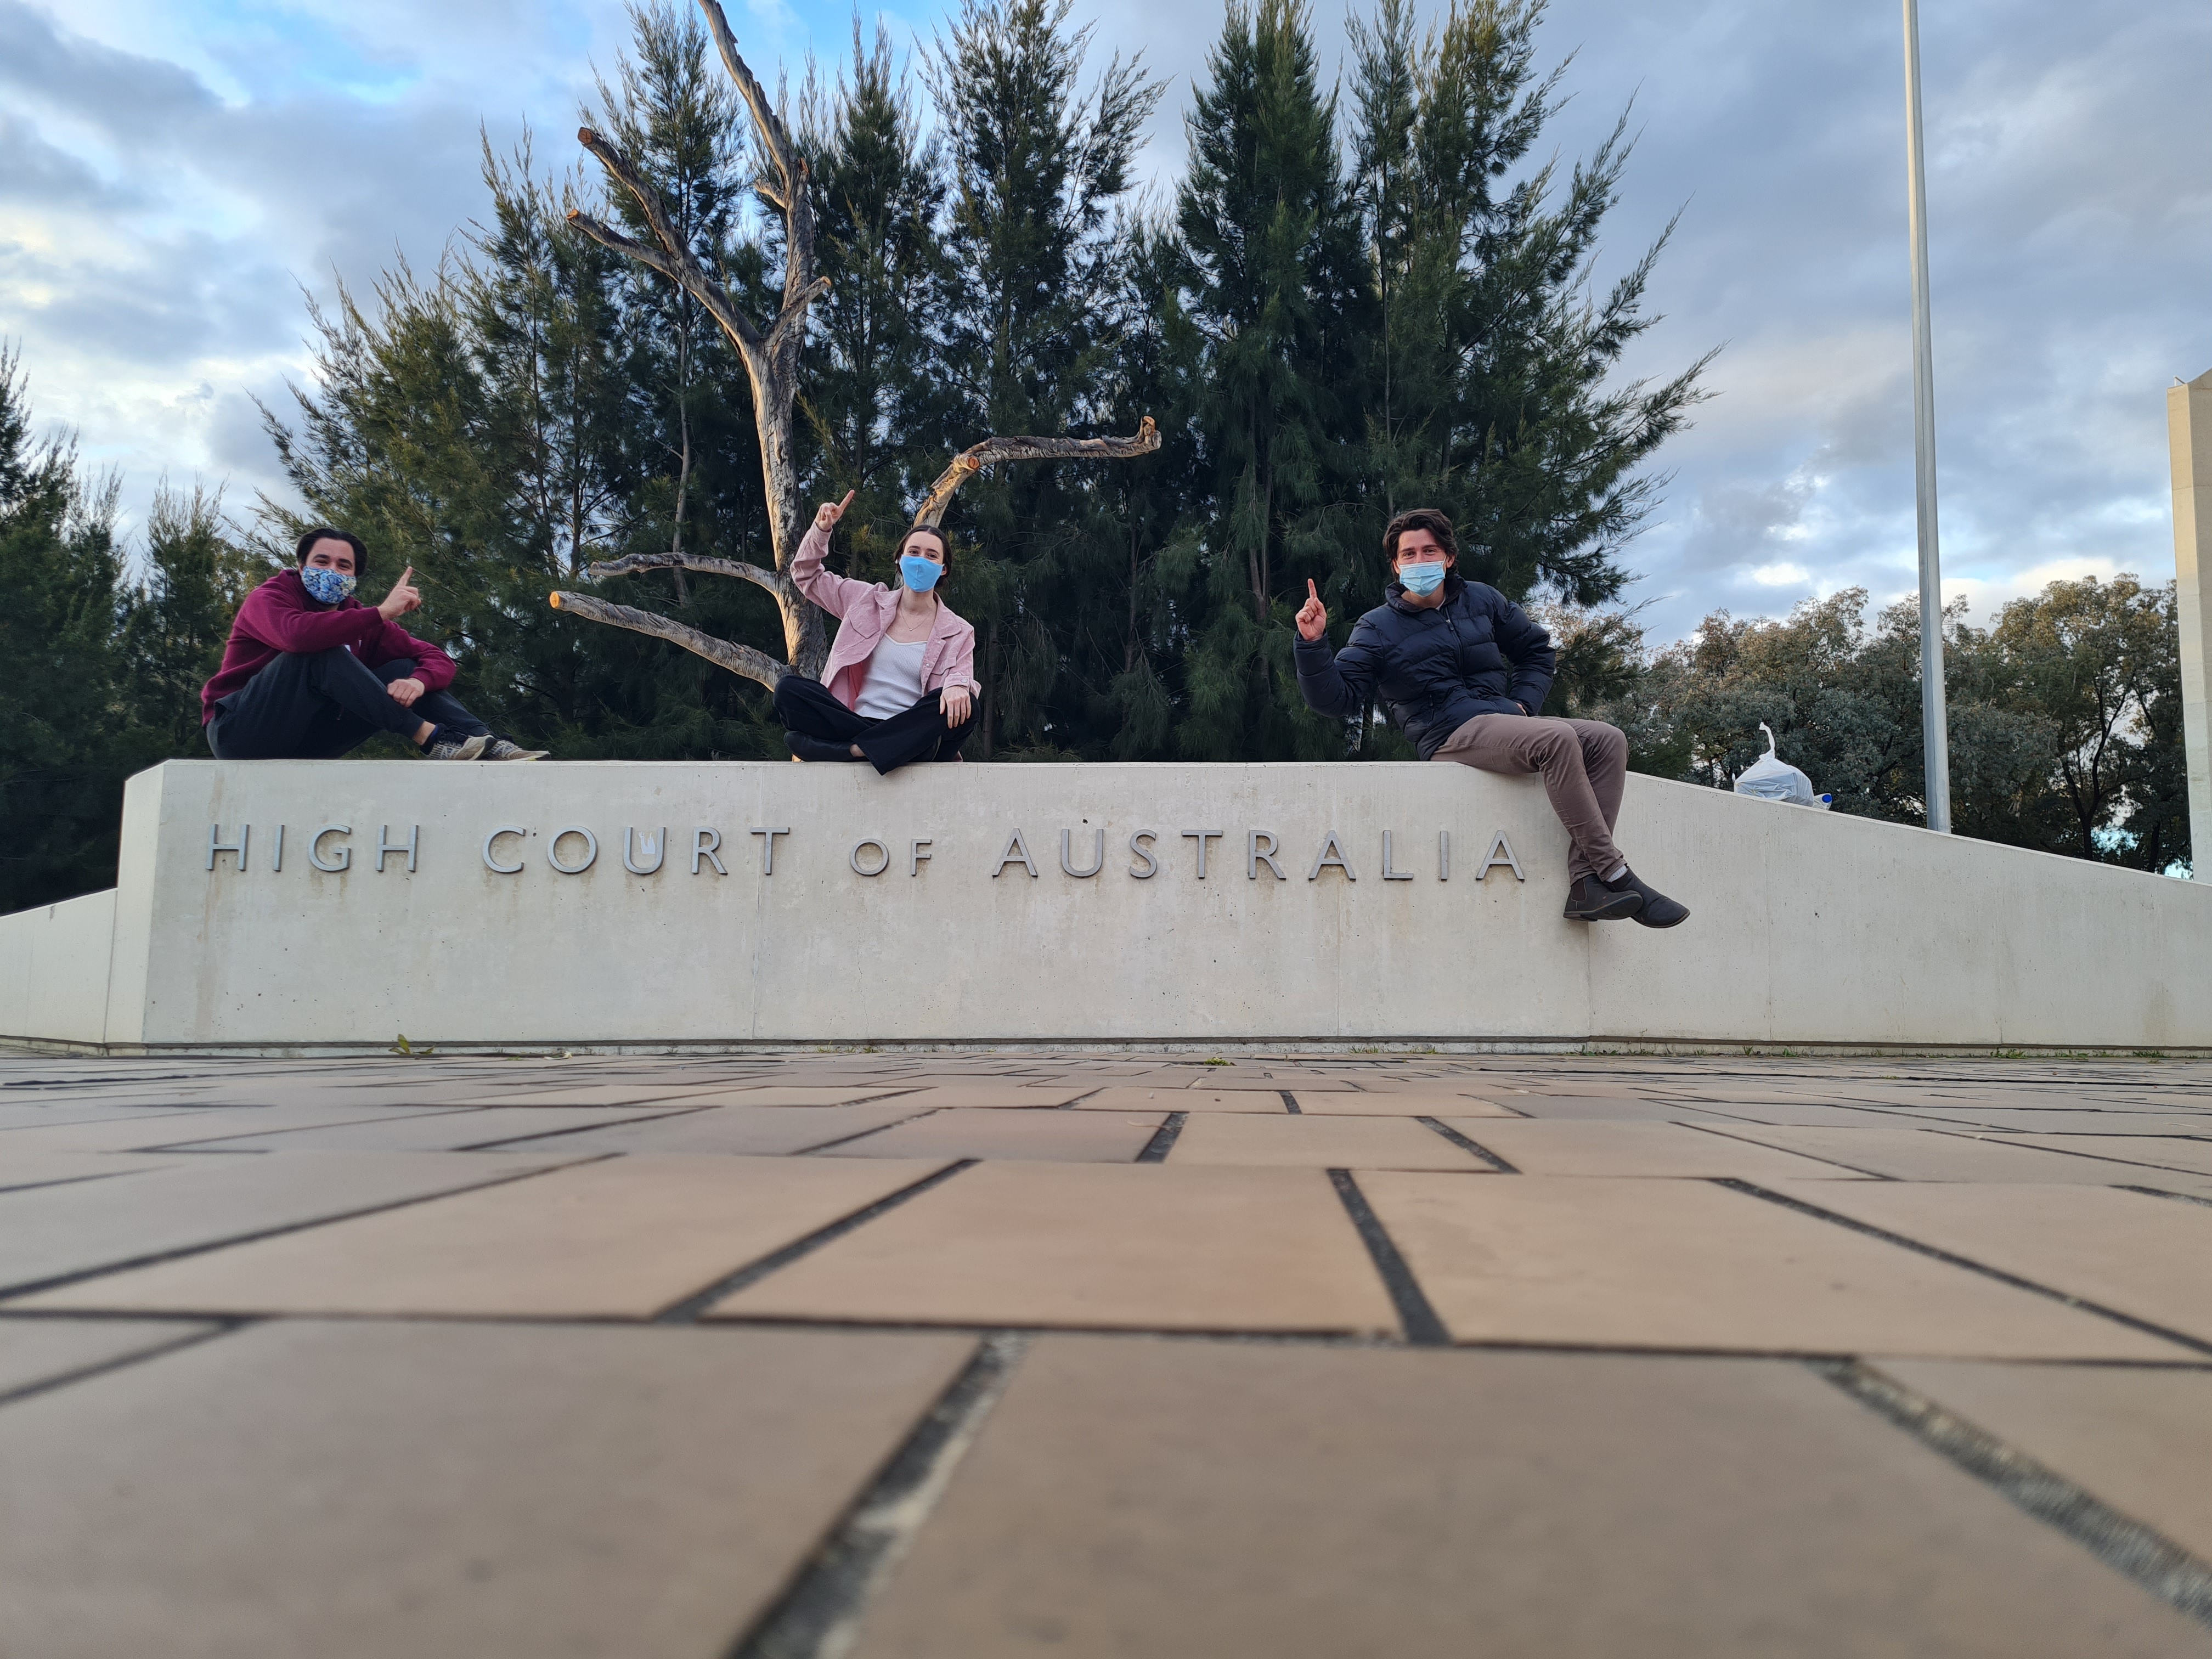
1466 1145
1164 1139
2181 1580
155 1257
522 1143
1291 1102
1938 1254
2160 1191
819 1615
120 1362
862 1134
689 1310
1423 1328
1817 1157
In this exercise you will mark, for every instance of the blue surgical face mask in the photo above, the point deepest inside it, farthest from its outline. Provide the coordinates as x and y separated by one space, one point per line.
326 586
920 575
1422 579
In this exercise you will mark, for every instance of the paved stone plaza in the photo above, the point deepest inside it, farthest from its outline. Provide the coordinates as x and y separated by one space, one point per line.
959 1356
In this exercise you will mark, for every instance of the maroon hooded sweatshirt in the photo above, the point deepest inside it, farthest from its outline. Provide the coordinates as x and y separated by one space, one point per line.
279 616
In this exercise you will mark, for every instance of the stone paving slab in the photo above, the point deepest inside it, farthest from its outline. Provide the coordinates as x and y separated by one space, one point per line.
981 1132
2150 1257
362 1491
1675 1264
1186 1501
760 1130
1001 1095
1149 1246
620 1238
2161 1152
436 1131
203 1199
1571 1147
1937 1156
1250 1139
1181 1100
1398 1102
2139 1437
36 1351
158 1131
36 1169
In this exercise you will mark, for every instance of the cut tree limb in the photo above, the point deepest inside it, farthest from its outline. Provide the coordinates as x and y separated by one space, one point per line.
631 563
723 653
992 451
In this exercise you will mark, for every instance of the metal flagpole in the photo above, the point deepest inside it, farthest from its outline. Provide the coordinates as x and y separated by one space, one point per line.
1934 727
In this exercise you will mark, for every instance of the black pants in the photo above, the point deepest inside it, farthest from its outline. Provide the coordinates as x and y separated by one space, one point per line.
321 704
807 710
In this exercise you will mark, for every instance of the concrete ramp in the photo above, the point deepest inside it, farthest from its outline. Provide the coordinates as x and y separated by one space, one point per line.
299 905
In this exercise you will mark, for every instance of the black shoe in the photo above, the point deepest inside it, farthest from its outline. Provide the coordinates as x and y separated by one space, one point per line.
1591 899
1659 910
817 749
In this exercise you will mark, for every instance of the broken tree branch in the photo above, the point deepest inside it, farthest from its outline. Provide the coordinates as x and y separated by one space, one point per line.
992 452
629 565
723 653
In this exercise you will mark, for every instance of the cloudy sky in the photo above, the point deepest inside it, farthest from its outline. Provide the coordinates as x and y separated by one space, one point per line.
174 175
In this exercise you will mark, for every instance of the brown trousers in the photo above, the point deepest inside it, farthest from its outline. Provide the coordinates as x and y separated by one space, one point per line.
1584 762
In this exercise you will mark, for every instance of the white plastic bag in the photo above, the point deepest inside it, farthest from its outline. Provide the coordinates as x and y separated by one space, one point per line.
1771 778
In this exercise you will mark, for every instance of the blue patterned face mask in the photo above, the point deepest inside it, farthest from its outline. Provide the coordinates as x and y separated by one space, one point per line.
920 575
326 586
1423 580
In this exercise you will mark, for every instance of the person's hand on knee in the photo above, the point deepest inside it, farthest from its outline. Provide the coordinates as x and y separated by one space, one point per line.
405 692
957 704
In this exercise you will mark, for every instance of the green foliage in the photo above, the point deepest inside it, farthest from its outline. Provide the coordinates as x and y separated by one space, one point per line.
2065 722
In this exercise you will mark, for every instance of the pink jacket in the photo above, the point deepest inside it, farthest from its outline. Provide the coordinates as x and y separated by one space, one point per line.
867 609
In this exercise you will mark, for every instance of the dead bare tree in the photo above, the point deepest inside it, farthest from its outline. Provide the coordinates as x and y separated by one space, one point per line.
771 361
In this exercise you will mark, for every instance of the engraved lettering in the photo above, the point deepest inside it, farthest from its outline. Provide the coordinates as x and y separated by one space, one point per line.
215 846
707 844
1066 851
1332 853
854 857
1138 844
916 856
491 862
384 848
1443 855
1201 837
591 850
1017 852
1255 855
1389 874
767 846
276 852
646 847
1501 851
315 849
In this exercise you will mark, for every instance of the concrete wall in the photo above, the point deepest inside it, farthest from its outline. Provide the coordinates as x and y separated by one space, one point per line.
1809 927
54 970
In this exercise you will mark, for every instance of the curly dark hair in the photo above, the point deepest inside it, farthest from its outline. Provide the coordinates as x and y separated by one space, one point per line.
1419 517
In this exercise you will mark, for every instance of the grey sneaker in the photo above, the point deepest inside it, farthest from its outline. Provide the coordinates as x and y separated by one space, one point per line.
500 748
455 748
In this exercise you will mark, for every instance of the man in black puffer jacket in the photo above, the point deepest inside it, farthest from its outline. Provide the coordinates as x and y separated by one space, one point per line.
1462 670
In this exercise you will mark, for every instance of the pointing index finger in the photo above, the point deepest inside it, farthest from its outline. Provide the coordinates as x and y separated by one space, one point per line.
848 501
1312 593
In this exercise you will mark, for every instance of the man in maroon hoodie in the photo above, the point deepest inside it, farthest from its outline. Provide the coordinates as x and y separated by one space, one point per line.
310 673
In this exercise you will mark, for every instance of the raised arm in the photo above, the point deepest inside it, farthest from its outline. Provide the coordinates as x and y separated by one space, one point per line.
834 594
1333 683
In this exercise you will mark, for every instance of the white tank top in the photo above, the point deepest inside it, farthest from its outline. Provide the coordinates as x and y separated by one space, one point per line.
893 684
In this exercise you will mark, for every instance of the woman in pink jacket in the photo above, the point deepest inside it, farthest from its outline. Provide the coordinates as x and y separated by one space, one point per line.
900 683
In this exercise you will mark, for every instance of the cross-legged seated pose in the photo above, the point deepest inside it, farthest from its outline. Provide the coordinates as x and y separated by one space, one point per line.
900 683
310 673
1462 670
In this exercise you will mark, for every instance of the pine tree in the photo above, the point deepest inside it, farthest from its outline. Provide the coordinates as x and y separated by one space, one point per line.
63 722
176 618
1273 287
1033 316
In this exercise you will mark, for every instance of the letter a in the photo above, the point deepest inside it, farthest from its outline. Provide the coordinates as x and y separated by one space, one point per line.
1017 852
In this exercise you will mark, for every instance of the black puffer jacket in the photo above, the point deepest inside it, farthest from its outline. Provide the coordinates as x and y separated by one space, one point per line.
1433 670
